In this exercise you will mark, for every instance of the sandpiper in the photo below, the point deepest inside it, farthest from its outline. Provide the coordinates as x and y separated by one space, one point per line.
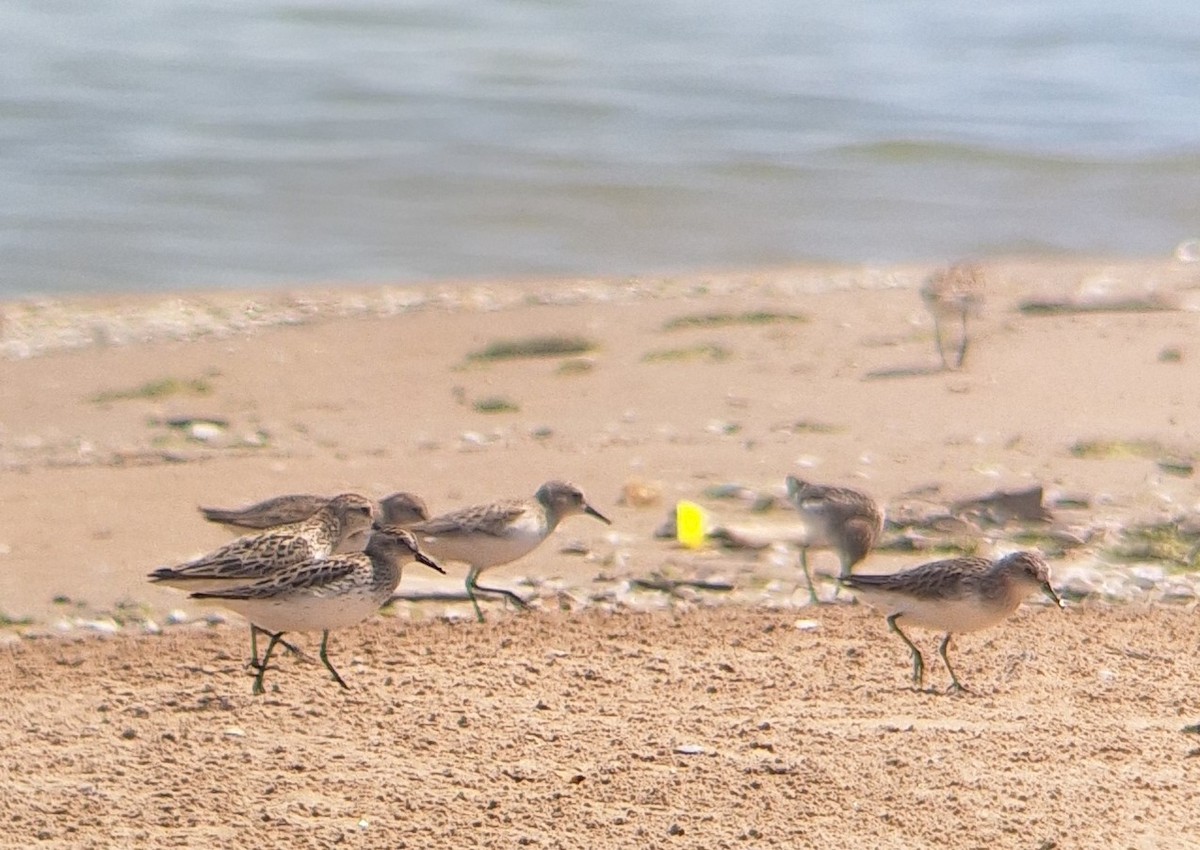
954 596
400 508
836 517
950 293
256 556
484 536
280 510
322 594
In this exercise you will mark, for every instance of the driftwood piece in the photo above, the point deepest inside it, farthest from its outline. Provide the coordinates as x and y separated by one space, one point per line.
672 585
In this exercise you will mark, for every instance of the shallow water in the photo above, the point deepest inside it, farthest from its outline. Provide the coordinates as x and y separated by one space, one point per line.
178 143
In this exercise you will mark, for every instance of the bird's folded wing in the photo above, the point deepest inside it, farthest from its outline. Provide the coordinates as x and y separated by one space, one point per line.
305 576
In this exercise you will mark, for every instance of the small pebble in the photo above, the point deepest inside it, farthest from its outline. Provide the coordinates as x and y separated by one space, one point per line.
205 432
1147 576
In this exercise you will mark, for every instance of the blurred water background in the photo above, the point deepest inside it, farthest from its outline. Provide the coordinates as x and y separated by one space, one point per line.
154 145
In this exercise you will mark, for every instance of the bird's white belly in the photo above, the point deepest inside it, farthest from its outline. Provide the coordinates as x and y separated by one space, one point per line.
967 614
307 613
483 550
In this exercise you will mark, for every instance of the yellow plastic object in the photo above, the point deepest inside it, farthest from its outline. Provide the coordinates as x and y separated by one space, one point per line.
690 522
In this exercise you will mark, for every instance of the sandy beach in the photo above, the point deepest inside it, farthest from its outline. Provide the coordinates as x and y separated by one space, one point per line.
654 695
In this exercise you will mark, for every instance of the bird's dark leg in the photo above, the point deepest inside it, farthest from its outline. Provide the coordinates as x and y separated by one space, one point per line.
956 685
962 345
255 631
937 338
918 660
812 591
507 594
325 660
472 575
262 668
254 646
842 576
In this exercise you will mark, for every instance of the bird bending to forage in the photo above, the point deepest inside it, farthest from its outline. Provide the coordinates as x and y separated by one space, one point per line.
322 594
954 596
835 517
496 533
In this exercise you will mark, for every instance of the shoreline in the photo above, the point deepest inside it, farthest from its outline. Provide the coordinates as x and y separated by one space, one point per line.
35 325
41 325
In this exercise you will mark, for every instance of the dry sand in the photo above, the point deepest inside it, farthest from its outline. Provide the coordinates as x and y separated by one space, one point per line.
712 728
574 725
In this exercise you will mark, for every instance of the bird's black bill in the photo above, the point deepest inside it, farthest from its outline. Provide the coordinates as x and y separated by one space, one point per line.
429 562
1049 591
588 509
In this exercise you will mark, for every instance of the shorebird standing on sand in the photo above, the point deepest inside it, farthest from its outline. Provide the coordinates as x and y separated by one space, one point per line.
834 517
403 509
953 596
322 594
257 556
496 533
950 293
